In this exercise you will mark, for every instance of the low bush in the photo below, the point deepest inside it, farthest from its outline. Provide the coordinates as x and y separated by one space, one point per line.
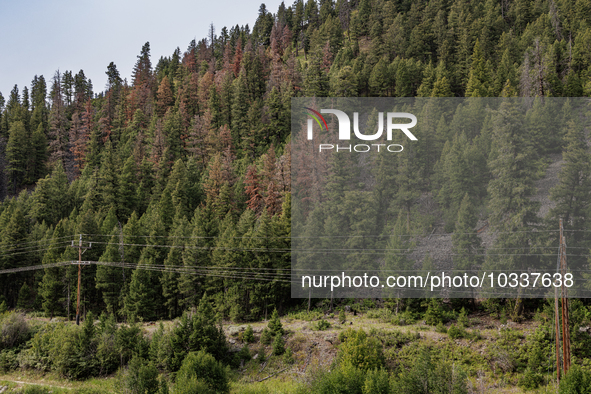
530 380
80 352
394 338
8 360
306 315
457 332
383 314
321 325
427 375
360 350
141 377
576 381
201 373
440 328
14 330
344 379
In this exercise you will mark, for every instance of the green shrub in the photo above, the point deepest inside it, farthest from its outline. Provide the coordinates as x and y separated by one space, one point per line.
435 313
342 316
266 336
244 354
248 335
440 328
457 332
576 381
306 315
65 348
393 338
530 380
360 351
403 319
254 388
80 352
278 345
321 325
38 355
463 318
195 332
505 350
8 360
74 355
377 381
426 372
193 386
492 306
383 314
14 330
160 350
343 379
538 346
201 370
131 342
141 377
35 390
107 352
275 326
288 357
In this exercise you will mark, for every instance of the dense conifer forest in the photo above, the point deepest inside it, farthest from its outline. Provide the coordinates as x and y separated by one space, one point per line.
176 183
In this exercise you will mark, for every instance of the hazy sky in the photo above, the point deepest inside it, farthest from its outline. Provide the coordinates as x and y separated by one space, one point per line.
39 37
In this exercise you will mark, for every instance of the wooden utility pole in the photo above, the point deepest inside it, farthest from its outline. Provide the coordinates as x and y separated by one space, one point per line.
79 247
561 268
565 325
557 329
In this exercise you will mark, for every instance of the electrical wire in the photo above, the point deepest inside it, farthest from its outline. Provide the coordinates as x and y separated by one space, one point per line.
34 267
325 236
325 250
58 246
48 240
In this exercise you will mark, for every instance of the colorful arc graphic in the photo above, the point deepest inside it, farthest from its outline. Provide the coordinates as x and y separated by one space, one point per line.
315 118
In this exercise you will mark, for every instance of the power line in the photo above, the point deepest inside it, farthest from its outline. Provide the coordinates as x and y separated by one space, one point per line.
36 250
328 236
48 240
325 250
288 271
34 267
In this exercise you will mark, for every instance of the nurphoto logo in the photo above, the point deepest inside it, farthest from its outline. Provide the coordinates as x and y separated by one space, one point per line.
345 130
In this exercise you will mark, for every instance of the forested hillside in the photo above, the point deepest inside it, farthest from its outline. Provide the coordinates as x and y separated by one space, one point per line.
184 171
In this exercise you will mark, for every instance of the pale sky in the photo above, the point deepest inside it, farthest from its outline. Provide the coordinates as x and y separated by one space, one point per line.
40 36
